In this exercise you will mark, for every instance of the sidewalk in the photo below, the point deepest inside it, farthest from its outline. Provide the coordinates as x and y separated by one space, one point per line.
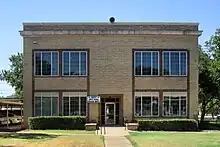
115 137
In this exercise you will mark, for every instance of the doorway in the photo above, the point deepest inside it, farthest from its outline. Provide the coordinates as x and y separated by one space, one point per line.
110 110
109 113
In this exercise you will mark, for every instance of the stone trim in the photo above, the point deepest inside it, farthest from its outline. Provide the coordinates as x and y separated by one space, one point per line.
108 32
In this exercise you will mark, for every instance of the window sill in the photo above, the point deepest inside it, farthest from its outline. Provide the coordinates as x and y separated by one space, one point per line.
147 75
46 76
72 76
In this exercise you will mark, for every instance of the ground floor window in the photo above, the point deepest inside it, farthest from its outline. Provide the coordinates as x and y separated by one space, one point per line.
46 103
175 103
74 103
146 103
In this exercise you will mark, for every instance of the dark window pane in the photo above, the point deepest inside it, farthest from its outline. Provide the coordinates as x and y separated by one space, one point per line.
183 106
37 104
166 106
46 63
37 63
183 64
46 106
137 63
174 59
137 106
146 63
146 106
74 106
65 63
155 63
174 106
166 63
54 63
74 63
83 106
65 106
55 106
155 106
83 63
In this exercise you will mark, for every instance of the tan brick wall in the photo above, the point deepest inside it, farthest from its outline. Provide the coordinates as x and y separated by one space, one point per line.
111 65
161 83
61 83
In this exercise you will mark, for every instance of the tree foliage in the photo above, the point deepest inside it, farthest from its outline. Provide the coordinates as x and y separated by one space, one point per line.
209 75
14 75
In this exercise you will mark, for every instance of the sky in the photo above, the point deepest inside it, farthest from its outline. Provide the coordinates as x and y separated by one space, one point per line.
14 12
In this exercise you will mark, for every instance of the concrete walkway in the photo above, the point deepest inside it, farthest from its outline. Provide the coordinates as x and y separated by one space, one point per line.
115 137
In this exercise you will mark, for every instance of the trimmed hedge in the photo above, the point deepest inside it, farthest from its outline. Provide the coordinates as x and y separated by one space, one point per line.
57 122
168 125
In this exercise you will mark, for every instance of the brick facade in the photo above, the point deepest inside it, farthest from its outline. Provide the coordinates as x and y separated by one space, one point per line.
110 62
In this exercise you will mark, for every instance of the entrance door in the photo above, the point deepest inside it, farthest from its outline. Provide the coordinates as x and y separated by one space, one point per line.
109 113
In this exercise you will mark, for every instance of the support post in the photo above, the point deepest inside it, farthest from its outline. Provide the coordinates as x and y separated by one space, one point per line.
21 117
7 114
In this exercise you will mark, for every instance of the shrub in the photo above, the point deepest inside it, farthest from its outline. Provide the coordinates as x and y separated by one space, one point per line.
209 125
57 122
168 125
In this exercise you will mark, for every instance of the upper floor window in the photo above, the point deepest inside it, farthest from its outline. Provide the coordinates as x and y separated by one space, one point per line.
146 63
74 63
175 63
46 63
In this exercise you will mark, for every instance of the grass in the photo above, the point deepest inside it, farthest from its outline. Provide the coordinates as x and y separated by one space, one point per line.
39 139
175 139
60 131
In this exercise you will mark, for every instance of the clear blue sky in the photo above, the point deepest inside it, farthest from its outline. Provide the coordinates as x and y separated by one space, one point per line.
14 12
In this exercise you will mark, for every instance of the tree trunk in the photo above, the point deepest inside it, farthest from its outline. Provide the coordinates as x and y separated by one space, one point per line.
203 112
202 116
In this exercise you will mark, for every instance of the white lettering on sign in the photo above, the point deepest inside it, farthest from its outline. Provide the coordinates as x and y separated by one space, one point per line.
93 99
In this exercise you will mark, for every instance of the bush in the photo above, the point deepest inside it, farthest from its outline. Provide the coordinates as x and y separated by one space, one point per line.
209 125
168 125
57 122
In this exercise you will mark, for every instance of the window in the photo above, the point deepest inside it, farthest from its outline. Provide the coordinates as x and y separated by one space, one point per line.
74 103
174 103
46 103
46 63
146 63
146 104
74 63
175 63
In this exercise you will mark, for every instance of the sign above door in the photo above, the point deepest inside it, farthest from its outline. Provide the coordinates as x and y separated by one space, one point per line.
93 99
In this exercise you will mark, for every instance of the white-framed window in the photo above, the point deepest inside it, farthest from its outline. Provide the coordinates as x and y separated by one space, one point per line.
74 103
146 104
46 104
74 63
174 103
146 63
46 63
175 63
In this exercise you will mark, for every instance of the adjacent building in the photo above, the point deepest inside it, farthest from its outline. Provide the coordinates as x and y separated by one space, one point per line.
145 70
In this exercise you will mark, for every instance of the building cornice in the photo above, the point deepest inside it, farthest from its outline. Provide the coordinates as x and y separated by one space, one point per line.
107 32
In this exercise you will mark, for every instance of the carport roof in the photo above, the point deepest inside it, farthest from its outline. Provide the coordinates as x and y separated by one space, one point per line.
2 102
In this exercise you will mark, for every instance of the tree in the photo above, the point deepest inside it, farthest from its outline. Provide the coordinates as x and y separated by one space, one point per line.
14 76
209 75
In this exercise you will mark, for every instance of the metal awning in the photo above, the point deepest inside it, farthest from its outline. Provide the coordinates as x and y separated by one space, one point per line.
5 103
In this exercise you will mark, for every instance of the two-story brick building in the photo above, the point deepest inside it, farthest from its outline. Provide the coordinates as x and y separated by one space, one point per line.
138 70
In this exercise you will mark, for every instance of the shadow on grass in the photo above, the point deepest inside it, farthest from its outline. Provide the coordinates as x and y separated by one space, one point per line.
27 136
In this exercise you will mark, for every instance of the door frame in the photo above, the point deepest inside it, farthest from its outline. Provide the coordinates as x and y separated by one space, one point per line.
106 103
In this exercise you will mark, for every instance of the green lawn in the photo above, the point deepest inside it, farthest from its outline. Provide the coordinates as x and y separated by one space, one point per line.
175 139
59 131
